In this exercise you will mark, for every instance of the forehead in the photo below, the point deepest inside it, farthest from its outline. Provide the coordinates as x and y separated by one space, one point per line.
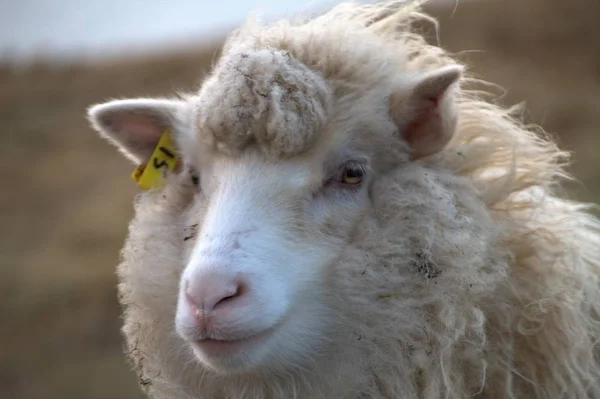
265 99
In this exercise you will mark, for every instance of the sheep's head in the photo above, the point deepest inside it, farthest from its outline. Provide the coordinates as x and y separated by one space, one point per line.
278 170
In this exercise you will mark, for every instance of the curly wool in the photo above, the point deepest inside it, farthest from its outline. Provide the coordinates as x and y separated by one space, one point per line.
500 298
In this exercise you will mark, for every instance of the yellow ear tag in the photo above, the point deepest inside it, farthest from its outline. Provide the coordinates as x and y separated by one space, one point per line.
164 160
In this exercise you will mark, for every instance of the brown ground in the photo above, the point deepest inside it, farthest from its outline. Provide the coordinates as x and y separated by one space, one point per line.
67 195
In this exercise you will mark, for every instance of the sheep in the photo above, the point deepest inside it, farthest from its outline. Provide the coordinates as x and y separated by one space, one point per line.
347 215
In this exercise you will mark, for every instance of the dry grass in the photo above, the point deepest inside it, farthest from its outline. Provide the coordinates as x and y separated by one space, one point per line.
67 195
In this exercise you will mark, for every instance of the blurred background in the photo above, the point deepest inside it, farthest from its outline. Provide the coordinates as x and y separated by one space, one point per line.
66 195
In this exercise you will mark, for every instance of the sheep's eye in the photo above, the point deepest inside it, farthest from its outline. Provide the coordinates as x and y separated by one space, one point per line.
194 175
352 175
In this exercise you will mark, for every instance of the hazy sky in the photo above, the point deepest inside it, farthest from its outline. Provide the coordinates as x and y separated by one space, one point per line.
90 27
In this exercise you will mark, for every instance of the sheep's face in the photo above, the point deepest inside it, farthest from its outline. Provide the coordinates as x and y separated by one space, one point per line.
277 174
254 289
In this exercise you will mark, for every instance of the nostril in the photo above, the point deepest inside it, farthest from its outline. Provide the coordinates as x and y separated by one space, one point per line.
207 293
240 290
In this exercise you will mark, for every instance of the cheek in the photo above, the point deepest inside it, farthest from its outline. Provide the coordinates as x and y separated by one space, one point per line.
331 227
335 219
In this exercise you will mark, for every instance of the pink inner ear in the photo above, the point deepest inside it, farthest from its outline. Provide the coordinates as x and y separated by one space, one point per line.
427 118
436 99
139 133
427 124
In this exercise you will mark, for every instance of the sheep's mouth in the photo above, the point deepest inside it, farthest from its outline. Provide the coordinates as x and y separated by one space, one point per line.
212 346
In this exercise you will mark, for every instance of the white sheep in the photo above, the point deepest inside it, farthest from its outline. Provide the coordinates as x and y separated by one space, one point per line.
345 218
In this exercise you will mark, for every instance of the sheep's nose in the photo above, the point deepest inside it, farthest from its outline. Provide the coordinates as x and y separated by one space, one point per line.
210 291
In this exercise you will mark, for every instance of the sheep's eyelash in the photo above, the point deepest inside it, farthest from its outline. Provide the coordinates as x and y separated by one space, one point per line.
362 166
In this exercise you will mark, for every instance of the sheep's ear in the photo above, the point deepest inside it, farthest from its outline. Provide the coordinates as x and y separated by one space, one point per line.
426 112
134 125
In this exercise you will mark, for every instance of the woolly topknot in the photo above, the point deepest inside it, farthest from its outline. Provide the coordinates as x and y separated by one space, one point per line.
267 98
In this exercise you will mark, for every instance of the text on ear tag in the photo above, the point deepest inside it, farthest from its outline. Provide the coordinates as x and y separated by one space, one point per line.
164 159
